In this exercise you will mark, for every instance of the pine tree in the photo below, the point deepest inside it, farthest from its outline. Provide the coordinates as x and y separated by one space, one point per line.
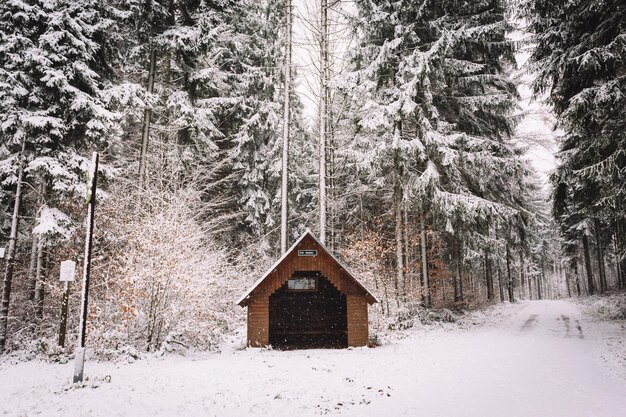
436 122
580 57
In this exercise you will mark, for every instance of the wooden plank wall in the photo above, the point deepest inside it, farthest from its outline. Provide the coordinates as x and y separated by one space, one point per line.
357 320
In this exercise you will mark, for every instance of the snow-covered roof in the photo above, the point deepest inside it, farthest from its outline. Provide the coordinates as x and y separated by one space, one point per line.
282 258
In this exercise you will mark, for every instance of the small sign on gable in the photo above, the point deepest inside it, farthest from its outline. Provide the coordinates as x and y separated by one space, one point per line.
68 271
307 252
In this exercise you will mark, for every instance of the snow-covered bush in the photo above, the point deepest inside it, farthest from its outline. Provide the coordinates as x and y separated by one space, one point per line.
611 307
161 281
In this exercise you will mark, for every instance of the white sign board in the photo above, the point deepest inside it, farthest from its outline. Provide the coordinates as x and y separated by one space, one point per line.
68 271
1 253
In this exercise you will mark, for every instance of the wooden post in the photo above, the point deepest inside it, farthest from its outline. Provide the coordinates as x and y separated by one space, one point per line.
79 362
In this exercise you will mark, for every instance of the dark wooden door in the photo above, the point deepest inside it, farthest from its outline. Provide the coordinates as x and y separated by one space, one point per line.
308 318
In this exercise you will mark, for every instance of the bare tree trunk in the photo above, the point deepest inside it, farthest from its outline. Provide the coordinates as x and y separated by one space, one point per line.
458 284
590 284
32 268
408 280
10 255
617 255
39 288
500 286
425 280
577 277
147 116
522 277
322 116
286 122
488 274
567 284
600 254
397 203
508 272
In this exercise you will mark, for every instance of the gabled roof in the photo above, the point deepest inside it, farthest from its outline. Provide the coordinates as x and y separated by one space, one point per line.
371 298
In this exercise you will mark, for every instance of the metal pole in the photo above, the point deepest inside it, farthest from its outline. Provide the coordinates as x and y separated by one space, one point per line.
79 361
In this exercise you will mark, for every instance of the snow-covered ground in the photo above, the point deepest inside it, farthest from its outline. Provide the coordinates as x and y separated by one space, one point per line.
537 358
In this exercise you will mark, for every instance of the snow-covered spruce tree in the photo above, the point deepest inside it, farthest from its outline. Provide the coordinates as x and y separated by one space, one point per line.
54 62
580 58
248 168
434 129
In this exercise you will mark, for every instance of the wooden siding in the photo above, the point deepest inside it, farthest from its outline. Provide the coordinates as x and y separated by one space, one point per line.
259 322
357 321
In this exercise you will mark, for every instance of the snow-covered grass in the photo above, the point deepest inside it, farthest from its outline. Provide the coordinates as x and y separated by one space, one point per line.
535 358
608 314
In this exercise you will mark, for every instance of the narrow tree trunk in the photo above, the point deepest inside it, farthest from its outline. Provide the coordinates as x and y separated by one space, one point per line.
600 254
620 245
32 268
499 266
590 284
10 255
508 273
286 122
147 116
489 274
408 273
617 252
458 284
397 202
39 288
567 284
425 280
322 117
522 277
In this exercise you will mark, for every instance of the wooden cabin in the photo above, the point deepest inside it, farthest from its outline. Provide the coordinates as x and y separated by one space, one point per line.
307 299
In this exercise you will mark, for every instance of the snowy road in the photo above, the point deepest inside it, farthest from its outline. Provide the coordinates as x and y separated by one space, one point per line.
539 359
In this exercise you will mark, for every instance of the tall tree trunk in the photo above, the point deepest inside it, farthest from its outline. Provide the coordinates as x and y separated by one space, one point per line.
600 254
458 283
425 280
567 284
590 284
499 266
622 251
40 286
408 274
286 122
522 277
508 273
397 203
32 267
617 255
147 117
322 116
488 274
10 255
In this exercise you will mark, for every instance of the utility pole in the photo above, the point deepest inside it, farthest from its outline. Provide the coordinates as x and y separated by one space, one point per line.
79 362
286 119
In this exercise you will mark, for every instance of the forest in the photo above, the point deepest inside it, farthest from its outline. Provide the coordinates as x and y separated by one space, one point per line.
404 155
